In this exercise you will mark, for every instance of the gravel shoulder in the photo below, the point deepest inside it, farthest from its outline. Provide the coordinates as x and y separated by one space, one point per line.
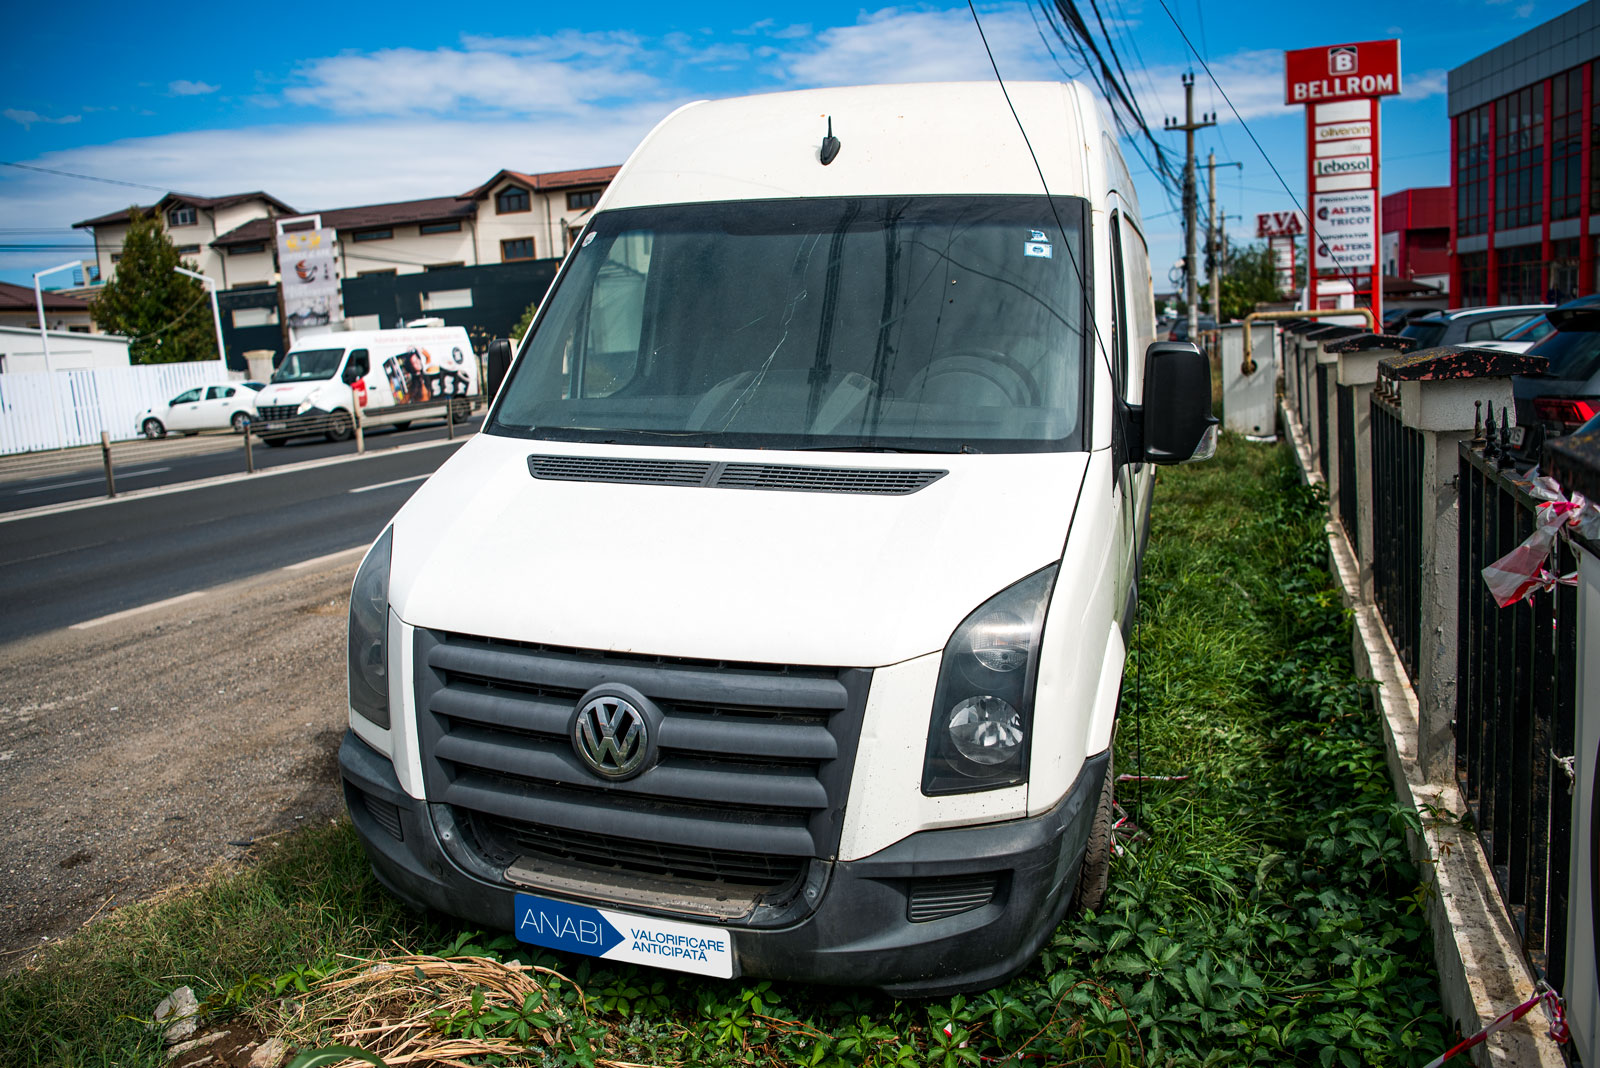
139 753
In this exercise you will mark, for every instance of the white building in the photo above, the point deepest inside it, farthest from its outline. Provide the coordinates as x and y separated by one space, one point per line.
512 216
22 350
19 307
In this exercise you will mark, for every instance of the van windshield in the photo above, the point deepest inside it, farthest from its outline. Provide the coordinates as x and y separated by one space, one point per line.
916 323
305 365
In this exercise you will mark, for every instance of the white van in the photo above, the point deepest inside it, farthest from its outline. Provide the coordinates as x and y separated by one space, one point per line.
803 540
406 375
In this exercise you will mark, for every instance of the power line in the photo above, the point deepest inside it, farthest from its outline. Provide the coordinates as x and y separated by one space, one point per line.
89 177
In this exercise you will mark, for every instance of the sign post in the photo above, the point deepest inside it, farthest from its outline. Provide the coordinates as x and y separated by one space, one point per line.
1340 87
308 273
1280 228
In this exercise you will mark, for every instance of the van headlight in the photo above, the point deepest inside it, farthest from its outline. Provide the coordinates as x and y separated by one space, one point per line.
305 406
983 705
369 634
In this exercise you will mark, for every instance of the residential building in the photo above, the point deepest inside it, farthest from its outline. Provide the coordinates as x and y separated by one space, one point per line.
536 216
192 222
1416 237
1525 165
61 312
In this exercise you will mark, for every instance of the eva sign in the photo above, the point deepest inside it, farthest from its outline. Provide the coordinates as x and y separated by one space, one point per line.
1280 224
1341 72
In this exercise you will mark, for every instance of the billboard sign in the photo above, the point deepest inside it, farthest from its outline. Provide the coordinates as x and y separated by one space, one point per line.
309 271
1347 230
1341 72
1280 224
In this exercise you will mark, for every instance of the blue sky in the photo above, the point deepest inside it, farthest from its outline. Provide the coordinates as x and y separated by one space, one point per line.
353 103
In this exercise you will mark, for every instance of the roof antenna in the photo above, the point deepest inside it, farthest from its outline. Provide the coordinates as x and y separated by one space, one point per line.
830 145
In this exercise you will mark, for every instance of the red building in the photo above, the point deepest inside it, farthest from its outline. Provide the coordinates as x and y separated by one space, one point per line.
1524 141
1416 236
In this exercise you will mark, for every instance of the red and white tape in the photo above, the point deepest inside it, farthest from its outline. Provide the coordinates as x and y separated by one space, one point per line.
1557 1030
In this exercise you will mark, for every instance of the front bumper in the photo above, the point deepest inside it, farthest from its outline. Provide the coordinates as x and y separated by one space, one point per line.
860 932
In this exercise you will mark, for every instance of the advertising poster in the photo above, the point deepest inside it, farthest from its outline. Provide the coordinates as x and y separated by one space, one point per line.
1346 229
306 264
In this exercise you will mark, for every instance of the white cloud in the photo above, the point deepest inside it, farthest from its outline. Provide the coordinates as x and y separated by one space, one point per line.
1424 84
184 87
28 118
555 75
896 45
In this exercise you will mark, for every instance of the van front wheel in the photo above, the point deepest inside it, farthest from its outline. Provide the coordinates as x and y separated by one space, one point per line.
339 428
1095 873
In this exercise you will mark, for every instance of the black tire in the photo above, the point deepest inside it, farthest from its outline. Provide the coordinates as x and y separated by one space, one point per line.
339 426
463 409
273 442
153 429
240 422
1094 876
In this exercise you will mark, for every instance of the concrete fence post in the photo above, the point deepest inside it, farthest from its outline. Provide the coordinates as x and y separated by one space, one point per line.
1249 402
1437 391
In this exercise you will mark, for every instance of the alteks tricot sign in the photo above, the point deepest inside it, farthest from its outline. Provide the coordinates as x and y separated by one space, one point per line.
1341 72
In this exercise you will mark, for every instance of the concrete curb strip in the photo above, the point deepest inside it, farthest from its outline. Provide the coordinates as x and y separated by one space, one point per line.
1481 970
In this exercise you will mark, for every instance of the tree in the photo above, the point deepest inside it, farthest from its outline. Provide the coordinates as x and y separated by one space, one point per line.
166 314
523 324
1251 278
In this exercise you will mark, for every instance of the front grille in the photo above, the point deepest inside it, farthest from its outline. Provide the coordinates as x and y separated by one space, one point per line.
793 477
633 855
934 899
754 762
276 411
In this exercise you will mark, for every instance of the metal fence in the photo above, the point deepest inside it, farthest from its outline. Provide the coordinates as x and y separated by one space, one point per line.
1397 527
1322 419
108 399
1515 694
1348 501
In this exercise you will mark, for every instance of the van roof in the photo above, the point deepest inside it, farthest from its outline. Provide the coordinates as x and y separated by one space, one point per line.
896 140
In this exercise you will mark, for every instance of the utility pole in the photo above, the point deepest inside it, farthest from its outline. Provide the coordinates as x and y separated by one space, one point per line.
1214 254
1190 207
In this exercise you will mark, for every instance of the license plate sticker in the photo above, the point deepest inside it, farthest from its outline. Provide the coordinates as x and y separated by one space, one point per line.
684 947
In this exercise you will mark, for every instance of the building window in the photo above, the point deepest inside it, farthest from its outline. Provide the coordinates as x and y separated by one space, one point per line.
183 216
1474 280
572 235
512 199
115 256
1518 271
1472 171
385 270
585 199
451 227
188 250
247 250
247 317
517 248
372 235
1564 270
443 266
1566 143
440 299
1518 158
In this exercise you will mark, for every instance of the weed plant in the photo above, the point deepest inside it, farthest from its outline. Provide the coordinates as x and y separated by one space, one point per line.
1268 914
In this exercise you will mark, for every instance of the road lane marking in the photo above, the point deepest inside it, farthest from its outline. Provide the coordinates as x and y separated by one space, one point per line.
386 485
317 561
91 481
124 614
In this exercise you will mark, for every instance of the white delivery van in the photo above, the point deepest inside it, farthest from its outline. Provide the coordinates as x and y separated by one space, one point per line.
804 536
406 375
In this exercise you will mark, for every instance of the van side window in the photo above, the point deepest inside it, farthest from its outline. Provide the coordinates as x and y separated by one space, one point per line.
616 316
1119 298
1140 290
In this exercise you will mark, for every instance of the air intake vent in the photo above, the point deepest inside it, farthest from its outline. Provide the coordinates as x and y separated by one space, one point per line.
934 899
384 813
792 477
633 472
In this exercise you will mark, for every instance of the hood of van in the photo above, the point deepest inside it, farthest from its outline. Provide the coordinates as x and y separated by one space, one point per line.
288 392
771 576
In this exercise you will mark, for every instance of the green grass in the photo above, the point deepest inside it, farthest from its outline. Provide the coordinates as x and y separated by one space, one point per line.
1269 915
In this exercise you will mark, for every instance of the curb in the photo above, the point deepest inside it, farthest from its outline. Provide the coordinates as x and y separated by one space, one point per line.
221 480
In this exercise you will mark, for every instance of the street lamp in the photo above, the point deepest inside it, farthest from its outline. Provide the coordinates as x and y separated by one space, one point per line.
216 316
44 340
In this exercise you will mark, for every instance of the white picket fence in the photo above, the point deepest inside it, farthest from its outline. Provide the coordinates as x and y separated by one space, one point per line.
108 399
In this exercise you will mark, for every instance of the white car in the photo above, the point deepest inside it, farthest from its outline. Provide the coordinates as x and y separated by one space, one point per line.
213 407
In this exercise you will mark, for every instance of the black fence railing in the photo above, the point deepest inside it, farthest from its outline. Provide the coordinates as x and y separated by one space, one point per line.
1397 527
1322 418
1516 690
1348 507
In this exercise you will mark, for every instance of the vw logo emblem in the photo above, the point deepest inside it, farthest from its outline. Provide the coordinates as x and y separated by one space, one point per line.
611 736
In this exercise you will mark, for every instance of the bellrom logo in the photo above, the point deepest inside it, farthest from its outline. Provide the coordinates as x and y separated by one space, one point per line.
611 736
1342 60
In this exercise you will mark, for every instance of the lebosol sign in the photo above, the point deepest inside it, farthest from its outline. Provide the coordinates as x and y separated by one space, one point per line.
1340 87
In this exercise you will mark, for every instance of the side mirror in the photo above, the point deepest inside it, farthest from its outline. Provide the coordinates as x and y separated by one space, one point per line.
499 364
356 368
1175 424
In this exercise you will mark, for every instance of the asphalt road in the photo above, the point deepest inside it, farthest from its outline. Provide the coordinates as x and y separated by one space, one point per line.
173 460
75 566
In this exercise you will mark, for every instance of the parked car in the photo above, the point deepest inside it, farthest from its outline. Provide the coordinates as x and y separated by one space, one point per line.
1469 326
1523 337
805 621
214 407
1566 395
1180 327
1395 319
